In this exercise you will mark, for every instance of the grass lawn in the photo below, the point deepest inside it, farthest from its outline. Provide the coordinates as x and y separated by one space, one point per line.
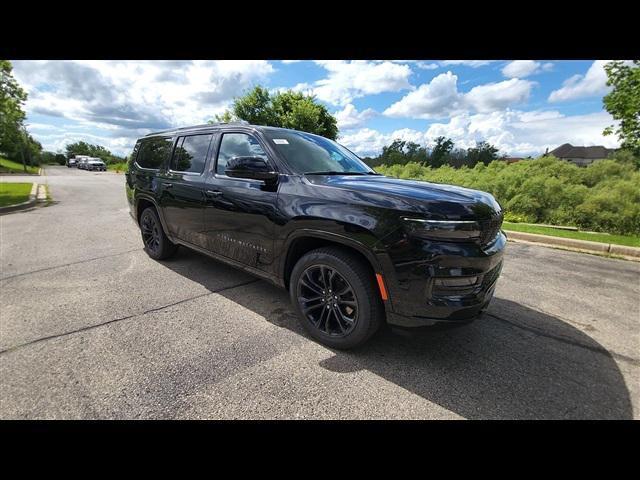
118 167
630 241
8 166
13 193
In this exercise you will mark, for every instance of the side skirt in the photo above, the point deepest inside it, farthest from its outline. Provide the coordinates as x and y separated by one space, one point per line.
233 263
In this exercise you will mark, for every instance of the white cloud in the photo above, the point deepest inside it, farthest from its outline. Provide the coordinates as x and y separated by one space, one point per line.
467 63
435 99
349 117
349 80
525 133
592 84
427 66
498 96
513 132
369 142
524 68
440 98
130 97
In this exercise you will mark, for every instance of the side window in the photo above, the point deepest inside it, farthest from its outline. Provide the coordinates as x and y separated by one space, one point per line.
190 154
154 152
134 154
237 145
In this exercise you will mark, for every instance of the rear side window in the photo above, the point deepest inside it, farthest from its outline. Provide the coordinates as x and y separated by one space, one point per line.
154 152
237 145
190 154
134 154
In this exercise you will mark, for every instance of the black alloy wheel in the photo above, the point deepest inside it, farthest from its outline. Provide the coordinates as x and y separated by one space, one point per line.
156 243
327 300
150 232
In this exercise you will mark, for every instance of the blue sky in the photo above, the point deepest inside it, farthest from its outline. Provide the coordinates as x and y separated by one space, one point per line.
522 107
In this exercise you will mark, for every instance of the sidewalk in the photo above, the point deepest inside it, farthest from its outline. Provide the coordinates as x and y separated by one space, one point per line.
629 253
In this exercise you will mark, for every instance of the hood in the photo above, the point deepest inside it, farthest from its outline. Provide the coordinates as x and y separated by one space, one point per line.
433 200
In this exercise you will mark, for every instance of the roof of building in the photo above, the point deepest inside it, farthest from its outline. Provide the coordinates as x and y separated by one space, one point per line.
569 151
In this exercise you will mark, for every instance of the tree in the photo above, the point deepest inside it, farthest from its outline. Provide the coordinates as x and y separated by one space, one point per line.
623 102
483 152
12 98
286 109
84 148
440 152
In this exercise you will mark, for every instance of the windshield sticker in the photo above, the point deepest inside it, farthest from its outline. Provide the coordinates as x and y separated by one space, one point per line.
280 141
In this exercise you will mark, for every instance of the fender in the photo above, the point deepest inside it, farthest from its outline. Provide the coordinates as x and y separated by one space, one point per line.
333 237
149 198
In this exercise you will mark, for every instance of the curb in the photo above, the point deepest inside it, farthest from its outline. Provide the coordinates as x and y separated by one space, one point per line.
579 245
24 205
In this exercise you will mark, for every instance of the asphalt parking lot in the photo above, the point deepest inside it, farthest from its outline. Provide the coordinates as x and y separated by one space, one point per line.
93 328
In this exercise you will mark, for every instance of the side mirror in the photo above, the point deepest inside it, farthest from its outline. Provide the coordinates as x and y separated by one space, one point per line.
255 168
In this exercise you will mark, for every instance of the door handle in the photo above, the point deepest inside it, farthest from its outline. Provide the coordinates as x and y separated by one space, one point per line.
167 185
213 193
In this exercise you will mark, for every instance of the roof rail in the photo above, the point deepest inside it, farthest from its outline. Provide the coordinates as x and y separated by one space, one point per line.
204 125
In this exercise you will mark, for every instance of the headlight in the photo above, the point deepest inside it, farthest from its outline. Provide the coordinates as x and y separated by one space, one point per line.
454 230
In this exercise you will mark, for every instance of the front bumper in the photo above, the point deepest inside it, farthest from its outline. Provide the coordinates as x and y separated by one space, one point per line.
441 283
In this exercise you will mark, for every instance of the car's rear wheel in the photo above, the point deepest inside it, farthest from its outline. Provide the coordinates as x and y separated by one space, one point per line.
335 297
156 243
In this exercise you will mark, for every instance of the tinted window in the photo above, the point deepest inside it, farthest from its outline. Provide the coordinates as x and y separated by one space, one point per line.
134 154
237 145
154 152
306 153
191 153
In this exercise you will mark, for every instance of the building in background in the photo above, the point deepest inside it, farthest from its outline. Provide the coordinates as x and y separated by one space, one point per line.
581 156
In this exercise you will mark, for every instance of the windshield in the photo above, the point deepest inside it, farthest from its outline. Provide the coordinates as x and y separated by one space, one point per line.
311 154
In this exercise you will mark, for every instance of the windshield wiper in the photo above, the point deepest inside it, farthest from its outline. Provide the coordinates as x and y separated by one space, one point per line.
334 172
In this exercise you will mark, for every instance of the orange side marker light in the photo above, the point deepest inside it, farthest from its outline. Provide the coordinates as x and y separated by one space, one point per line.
383 290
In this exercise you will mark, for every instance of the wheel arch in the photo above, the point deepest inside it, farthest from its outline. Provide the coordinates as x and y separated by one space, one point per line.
303 241
145 201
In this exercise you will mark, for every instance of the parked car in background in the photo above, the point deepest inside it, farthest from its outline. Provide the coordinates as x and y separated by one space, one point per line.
80 160
96 165
354 248
72 162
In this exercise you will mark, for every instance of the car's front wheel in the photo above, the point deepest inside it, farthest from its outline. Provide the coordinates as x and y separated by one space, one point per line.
156 243
334 294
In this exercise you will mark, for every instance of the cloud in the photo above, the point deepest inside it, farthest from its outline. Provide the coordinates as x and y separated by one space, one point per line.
369 142
349 117
525 133
592 84
524 68
435 99
349 80
467 63
136 96
440 98
427 66
498 96
513 132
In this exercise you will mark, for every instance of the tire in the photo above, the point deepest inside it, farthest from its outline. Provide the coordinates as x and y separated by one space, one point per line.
155 241
349 272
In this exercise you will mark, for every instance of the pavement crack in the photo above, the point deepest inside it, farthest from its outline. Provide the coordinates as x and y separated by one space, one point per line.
569 341
128 317
68 264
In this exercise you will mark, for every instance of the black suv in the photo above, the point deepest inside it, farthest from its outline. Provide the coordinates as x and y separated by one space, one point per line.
354 248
